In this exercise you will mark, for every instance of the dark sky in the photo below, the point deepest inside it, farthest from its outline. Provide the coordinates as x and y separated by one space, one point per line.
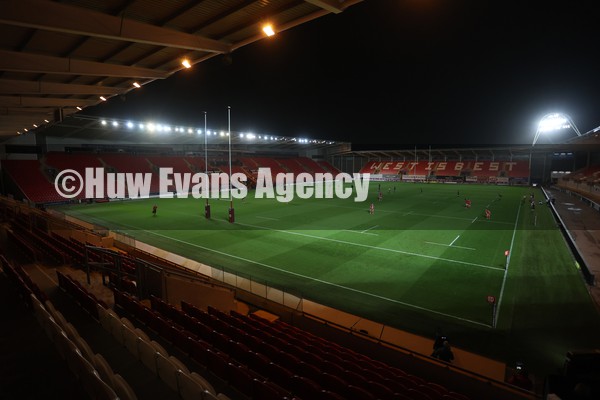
398 72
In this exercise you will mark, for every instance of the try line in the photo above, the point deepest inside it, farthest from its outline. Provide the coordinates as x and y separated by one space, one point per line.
512 241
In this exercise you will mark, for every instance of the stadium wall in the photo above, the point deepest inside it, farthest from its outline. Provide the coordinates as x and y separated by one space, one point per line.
587 274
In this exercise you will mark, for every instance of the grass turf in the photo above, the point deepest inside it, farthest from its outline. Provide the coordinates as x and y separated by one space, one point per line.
422 262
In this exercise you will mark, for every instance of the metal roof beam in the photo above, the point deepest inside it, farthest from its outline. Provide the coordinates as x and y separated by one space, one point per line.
329 5
13 86
20 101
53 16
31 118
25 111
27 62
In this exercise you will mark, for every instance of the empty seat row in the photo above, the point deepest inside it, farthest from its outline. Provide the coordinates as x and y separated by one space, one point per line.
273 357
86 299
224 342
310 356
151 354
24 284
91 370
243 377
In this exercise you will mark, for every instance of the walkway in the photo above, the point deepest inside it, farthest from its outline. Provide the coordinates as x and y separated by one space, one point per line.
583 223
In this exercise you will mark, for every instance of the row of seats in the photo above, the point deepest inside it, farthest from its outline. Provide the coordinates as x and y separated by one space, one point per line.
510 169
314 166
23 282
310 355
150 353
22 248
297 366
42 247
86 299
328 167
91 370
243 377
31 181
590 175
38 188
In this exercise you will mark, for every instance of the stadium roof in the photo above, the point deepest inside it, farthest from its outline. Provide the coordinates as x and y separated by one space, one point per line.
123 132
57 57
498 152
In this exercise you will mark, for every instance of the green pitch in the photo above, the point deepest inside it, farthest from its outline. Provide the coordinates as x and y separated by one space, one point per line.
423 261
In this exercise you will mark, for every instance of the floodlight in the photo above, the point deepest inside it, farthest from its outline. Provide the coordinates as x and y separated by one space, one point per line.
136 85
190 130
34 125
79 108
103 122
186 63
102 98
46 121
241 135
268 30
115 124
554 122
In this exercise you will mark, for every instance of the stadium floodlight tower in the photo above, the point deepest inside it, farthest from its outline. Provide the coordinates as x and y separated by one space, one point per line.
554 122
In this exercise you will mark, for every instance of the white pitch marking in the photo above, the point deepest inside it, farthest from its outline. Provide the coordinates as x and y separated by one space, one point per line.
454 247
360 233
270 219
512 241
455 239
474 219
408 253
366 230
322 281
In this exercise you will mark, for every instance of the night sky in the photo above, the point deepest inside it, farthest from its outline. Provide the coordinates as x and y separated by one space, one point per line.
397 72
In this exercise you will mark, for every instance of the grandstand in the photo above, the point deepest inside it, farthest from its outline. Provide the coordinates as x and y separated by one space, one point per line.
112 246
